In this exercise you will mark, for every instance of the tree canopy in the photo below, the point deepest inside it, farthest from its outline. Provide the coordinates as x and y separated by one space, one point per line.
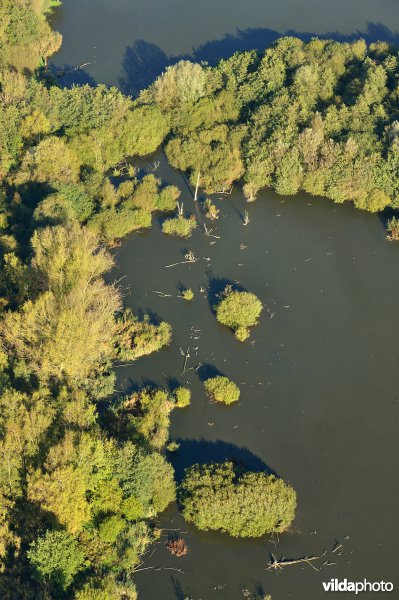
222 496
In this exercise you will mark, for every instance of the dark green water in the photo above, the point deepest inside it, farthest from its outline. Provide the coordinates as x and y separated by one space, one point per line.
319 380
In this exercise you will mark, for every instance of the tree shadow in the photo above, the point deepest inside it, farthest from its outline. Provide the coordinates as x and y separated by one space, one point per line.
142 63
180 594
68 75
204 451
206 370
216 287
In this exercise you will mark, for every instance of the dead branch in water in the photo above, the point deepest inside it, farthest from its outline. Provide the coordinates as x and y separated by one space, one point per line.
208 232
77 68
186 357
283 562
190 258
162 294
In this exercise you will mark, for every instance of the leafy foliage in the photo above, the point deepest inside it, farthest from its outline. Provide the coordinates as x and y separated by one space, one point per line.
179 226
56 558
222 389
239 311
220 496
137 338
182 396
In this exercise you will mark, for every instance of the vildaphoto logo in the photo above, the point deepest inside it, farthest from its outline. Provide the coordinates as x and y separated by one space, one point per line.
335 585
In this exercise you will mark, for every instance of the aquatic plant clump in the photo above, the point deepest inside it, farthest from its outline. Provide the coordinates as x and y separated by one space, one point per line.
223 497
182 396
187 294
179 226
239 311
222 389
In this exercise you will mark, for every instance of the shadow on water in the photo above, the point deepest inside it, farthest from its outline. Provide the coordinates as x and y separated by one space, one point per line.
144 61
204 451
69 75
180 593
206 371
216 287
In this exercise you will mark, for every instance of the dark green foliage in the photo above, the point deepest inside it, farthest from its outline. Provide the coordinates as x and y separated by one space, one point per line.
220 496
56 558
147 478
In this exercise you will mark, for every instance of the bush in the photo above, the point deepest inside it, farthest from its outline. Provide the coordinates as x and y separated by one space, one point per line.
183 397
220 496
114 224
238 310
179 226
211 212
222 389
393 229
138 338
187 294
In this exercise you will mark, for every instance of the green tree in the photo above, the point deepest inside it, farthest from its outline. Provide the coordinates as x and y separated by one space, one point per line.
56 558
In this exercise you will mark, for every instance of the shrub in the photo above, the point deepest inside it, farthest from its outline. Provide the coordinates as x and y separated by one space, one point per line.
179 226
187 294
222 389
138 338
238 310
211 212
114 224
393 229
220 496
183 397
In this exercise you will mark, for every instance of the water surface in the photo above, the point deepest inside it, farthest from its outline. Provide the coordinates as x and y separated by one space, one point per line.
319 381
129 42
319 375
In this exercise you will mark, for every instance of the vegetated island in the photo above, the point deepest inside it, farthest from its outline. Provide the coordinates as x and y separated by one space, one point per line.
79 490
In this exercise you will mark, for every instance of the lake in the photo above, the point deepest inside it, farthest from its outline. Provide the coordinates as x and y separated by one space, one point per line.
319 375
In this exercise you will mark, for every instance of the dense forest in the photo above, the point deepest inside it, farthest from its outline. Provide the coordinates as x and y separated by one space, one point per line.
83 471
